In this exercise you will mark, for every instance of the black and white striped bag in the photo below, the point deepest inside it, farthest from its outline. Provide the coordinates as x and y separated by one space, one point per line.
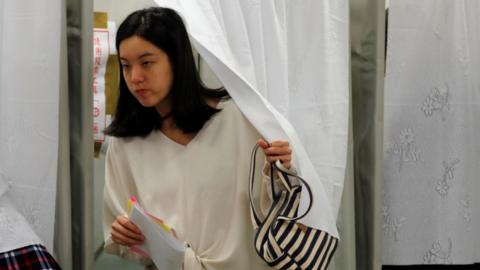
280 240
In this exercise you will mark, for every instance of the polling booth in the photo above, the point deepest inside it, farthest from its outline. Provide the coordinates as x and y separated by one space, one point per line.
379 100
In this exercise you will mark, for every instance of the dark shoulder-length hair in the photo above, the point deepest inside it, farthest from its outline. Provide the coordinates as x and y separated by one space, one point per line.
164 28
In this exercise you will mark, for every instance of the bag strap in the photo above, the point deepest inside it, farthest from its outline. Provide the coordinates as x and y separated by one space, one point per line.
284 176
254 212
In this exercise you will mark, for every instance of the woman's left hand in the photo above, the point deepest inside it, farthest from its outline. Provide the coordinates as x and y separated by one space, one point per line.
277 150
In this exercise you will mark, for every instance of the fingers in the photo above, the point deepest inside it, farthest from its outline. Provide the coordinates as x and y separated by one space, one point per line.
124 221
174 233
280 143
124 232
284 159
277 150
263 144
124 240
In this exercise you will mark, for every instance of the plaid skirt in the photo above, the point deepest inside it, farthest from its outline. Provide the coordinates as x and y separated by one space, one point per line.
34 257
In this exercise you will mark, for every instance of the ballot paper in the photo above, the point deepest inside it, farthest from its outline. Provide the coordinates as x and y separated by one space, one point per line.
160 245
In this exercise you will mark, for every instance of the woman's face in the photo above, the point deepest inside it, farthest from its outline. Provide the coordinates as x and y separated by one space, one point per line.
147 72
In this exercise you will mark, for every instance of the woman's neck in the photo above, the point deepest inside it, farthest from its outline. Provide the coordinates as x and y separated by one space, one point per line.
168 124
165 110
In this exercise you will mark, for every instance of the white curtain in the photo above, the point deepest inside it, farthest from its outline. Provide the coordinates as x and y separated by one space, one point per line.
432 149
29 90
294 54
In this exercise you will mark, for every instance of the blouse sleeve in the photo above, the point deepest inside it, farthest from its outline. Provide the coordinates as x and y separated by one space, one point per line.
266 187
117 190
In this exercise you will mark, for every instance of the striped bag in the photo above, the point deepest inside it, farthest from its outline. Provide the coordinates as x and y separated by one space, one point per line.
280 240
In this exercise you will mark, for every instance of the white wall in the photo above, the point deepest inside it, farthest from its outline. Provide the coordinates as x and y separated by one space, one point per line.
119 9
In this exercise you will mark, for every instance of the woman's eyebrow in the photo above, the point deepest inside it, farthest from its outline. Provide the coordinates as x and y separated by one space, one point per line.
145 54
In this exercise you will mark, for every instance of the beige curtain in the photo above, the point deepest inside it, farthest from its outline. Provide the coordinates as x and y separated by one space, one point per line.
63 230
368 59
74 229
360 220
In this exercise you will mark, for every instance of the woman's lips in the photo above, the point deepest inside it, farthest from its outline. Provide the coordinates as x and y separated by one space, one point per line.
142 92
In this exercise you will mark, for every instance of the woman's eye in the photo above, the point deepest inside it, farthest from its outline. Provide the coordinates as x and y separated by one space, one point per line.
147 63
125 65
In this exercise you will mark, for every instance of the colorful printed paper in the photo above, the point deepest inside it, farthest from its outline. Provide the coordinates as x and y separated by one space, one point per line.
160 243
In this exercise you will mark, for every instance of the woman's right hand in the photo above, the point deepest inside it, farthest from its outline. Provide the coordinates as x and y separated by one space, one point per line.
125 233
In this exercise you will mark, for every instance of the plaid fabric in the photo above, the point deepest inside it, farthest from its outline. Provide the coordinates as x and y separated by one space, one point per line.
35 257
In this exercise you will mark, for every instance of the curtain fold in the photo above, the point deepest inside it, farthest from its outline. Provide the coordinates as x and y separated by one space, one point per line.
367 33
80 102
345 257
63 225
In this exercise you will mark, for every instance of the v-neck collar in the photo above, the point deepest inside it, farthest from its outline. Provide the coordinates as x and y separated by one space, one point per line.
220 105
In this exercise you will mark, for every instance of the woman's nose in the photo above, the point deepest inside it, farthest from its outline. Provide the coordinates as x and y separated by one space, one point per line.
137 75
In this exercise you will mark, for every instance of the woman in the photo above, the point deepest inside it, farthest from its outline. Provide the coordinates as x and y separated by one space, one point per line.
182 149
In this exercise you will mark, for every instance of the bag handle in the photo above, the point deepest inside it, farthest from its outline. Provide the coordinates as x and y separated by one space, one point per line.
285 181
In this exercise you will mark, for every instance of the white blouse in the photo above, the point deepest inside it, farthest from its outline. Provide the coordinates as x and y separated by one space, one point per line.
201 189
